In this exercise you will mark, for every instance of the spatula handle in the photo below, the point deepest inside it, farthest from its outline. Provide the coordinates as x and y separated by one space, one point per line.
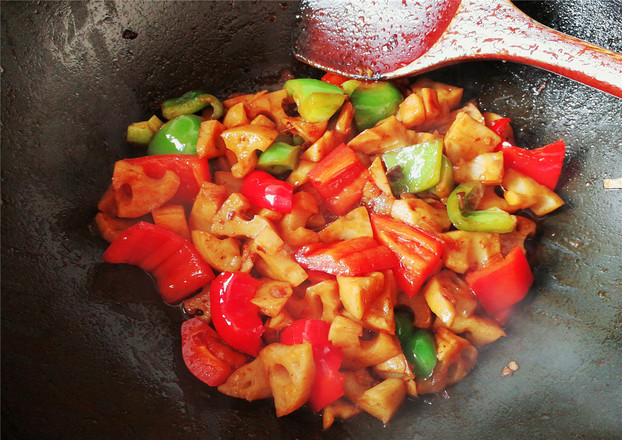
496 29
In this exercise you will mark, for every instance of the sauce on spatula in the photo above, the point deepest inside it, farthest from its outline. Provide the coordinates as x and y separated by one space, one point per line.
377 36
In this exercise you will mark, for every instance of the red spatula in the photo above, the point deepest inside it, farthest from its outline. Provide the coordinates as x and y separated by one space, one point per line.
382 39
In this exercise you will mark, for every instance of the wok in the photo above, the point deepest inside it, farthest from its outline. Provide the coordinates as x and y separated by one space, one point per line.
89 351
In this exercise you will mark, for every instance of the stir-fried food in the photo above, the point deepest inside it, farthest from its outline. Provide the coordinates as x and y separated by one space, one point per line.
334 243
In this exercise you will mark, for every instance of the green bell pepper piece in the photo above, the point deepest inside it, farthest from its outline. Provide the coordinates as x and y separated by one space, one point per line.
486 220
374 102
420 351
317 100
177 136
279 158
192 102
445 184
420 166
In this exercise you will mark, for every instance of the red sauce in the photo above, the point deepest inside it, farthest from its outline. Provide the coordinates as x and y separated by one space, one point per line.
380 34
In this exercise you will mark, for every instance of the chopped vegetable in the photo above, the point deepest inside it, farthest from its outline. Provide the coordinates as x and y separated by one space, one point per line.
348 257
317 100
339 179
235 317
279 158
206 355
543 164
266 191
417 167
328 382
177 136
175 264
191 102
374 102
502 285
417 251
486 220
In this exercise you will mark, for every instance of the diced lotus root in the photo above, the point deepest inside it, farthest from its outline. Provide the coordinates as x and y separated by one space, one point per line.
358 352
379 315
271 296
357 293
456 357
396 367
383 400
467 138
339 409
320 301
222 254
293 226
486 168
354 224
208 201
324 145
427 216
523 192
279 266
244 141
232 220
226 179
249 382
291 372
466 251
419 306
387 135
449 296
480 330
136 194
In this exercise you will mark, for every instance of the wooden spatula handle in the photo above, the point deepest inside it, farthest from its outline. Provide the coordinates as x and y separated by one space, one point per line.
496 29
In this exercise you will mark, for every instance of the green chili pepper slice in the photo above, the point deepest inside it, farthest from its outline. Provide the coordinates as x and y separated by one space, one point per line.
374 102
177 136
141 133
279 158
403 325
419 166
317 100
192 102
487 220
420 351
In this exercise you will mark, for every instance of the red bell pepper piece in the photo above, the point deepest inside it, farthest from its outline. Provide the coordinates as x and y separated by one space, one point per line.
192 171
266 191
334 78
206 355
498 125
235 318
502 285
177 267
329 381
418 252
347 257
339 179
543 164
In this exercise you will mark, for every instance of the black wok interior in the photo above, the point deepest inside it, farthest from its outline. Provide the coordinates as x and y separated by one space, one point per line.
89 350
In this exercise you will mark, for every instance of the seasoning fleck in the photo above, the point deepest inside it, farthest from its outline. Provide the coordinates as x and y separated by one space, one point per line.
129 35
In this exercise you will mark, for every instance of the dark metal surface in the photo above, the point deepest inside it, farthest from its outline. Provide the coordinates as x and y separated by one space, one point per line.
89 351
